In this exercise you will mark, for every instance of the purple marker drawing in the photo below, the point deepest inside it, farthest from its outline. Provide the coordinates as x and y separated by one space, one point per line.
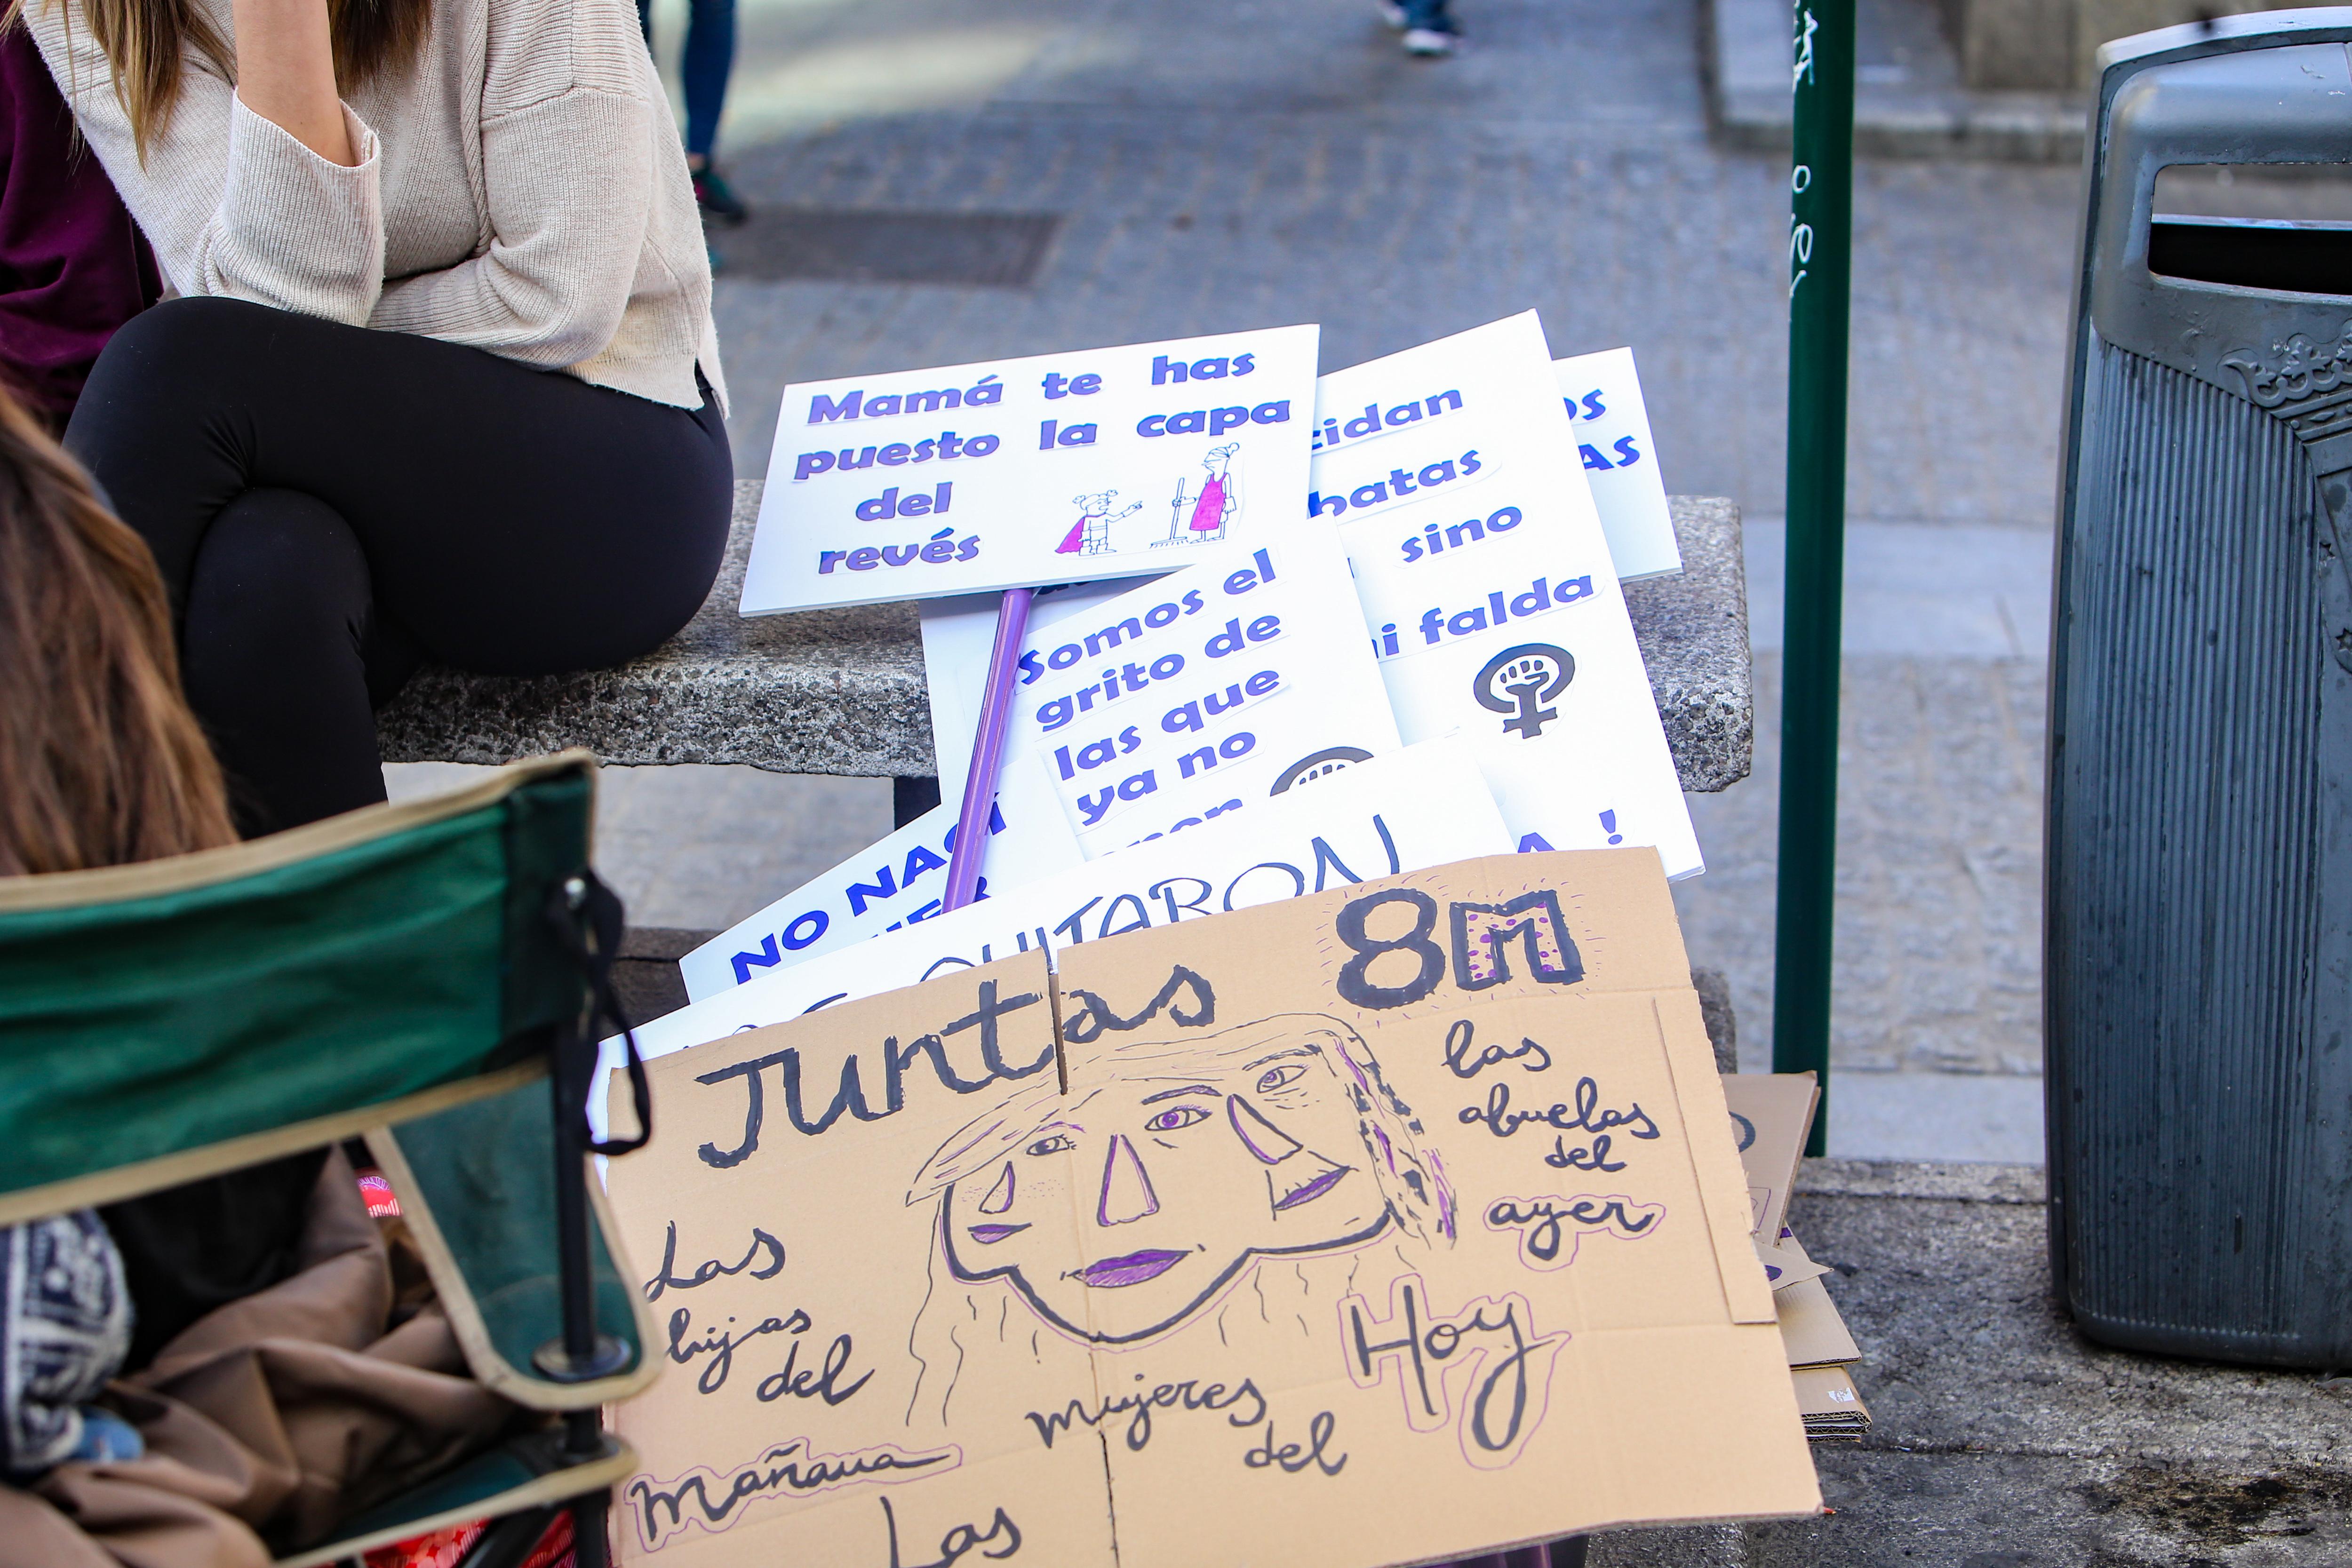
1171 1136
987 752
1134 1268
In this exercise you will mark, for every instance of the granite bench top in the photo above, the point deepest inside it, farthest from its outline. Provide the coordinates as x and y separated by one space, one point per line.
841 691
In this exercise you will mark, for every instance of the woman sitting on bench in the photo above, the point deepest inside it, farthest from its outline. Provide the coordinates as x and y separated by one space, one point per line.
443 382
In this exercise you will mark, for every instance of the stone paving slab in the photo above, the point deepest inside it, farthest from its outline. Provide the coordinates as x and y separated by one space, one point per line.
841 691
1920 1509
1966 1352
1957 591
2004 1438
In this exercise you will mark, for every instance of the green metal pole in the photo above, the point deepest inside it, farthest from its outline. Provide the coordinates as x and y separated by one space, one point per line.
1821 238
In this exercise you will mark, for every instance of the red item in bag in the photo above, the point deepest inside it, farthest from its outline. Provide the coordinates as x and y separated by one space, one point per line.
442 1548
448 1548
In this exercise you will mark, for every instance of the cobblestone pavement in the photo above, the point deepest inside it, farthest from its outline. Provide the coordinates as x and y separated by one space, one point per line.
1230 163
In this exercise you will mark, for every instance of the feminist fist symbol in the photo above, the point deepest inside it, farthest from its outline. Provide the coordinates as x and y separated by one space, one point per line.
1518 681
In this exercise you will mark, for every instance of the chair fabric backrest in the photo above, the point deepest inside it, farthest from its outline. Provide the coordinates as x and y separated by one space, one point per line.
162 1022
478 1185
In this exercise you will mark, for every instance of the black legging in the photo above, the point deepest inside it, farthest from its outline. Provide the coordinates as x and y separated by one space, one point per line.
332 506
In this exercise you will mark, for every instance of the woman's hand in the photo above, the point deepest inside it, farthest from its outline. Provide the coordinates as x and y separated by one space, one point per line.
285 73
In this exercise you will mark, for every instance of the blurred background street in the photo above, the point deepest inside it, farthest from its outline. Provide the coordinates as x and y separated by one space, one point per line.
934 182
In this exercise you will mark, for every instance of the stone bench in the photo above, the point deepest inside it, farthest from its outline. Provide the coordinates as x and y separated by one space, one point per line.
841 691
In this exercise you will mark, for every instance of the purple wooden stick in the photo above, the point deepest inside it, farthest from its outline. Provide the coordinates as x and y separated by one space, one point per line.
987 752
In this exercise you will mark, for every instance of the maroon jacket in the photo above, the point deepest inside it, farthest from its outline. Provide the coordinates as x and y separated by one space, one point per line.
73 267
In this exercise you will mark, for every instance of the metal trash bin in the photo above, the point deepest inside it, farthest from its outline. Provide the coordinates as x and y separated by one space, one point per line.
2198 933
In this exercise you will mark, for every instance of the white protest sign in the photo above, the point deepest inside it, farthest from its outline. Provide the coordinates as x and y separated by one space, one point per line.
1603 394
1054 468
1210 690
1489 587
1420 806
887 885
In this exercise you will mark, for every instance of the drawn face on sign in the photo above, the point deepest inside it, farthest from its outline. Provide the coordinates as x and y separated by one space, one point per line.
1119 1209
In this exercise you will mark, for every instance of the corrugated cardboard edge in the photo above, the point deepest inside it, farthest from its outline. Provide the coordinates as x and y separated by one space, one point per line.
1722 1179
1811 1327
1818 1389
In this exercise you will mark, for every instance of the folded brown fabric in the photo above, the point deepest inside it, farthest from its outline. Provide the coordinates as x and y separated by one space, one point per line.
33 1534
354 1428
191 1502
274 1417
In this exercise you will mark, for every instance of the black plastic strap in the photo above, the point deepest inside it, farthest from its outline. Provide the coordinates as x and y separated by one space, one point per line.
588 919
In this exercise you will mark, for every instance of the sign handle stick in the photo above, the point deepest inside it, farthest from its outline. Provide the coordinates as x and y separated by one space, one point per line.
987 752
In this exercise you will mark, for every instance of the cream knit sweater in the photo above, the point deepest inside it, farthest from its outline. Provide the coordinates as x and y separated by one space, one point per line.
521 189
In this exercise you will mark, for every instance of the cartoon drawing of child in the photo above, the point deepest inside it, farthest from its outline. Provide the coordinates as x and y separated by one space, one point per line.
1119 1209
1090 535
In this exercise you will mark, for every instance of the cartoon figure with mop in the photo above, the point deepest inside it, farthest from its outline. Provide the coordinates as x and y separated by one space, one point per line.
1212 509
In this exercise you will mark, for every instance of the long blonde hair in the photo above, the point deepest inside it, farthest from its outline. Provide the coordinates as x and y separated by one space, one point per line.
100 761
147 45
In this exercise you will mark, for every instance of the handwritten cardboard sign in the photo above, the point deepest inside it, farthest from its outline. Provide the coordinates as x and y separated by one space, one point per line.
1603 394
1489 590
1390 1224
1052 468
1771 1115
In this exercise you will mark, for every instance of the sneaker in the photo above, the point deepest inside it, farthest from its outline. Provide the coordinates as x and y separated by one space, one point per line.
1394 15
714 195
1428 42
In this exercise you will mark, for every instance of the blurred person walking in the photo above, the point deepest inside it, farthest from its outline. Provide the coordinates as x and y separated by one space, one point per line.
708 61
1428 25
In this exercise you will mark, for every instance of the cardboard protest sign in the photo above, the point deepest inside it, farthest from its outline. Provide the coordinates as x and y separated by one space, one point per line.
1489 590
1771 1115
1603 393
884 887
1420 806
781 1255
1053 468
1391 1223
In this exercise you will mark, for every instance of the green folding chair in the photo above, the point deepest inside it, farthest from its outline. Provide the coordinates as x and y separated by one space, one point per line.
416 973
